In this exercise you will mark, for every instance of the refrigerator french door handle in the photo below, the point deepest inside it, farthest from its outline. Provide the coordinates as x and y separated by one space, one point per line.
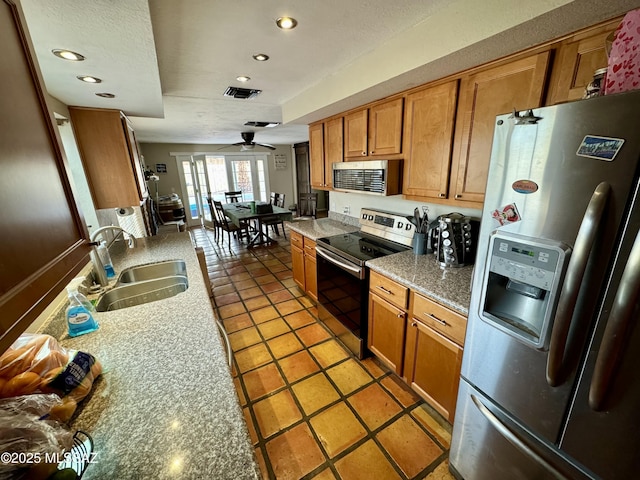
585 241
513 438
615 333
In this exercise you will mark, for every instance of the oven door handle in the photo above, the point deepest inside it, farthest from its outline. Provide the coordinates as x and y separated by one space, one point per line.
340 262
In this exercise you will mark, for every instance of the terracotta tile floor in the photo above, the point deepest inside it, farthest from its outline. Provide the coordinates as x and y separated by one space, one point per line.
313 411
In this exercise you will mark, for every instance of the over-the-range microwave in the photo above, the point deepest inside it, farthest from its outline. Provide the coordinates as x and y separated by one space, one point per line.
373 177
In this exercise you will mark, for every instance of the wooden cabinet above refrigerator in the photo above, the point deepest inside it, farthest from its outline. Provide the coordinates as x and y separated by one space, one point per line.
110 157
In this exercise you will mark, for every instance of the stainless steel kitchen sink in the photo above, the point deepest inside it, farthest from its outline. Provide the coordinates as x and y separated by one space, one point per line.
138 293
152 271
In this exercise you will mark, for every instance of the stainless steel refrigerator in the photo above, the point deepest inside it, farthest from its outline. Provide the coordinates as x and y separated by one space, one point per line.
550 381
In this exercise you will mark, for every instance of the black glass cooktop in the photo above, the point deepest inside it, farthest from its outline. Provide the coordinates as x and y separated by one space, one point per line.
360 247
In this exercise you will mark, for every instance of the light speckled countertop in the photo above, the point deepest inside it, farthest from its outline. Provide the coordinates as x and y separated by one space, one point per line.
422 273
323 227
450 287
166 406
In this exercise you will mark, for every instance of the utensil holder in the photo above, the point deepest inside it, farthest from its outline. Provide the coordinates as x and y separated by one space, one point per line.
419 243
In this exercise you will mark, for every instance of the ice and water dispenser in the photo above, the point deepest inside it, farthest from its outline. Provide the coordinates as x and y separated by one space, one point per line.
522 282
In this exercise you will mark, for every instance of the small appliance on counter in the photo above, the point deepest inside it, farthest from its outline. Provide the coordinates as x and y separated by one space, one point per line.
453 239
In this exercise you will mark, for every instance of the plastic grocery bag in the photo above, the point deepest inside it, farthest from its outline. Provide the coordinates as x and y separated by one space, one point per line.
36 363
623 71
30 446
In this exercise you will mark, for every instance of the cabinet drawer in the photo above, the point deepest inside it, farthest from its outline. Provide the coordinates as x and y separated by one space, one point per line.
449 323
297 240
391 291
309 247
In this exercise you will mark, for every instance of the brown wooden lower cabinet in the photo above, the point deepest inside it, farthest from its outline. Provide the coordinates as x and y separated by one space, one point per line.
303 260
422 344
310 274
432 367
386 332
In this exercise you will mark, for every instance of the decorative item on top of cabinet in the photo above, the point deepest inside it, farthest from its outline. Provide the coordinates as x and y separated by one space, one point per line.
387 314
484 94
433 354
110 156
44 239
325 145
303 259
428 138
374 131
576 60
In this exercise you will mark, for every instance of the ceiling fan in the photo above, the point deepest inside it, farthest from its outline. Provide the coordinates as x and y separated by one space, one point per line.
249 144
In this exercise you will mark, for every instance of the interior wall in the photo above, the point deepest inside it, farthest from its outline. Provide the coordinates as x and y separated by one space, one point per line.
339 201
280 180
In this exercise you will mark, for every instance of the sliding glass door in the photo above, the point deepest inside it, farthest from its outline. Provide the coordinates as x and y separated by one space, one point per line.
212 175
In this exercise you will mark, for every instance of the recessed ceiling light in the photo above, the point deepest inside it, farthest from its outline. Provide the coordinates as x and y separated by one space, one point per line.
243 78
286 23
105 95
261 57
89 79
68 55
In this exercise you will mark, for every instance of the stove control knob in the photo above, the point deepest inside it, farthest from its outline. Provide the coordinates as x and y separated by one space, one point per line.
364 216
408 227
370 217
400 224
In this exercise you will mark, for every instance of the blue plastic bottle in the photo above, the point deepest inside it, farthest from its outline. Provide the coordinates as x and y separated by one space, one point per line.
80 314
103 253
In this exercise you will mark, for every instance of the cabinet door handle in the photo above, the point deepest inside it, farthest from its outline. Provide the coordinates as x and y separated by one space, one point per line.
388 292
371 152
442 195
401 315
414 324
364 154
436 319
458 195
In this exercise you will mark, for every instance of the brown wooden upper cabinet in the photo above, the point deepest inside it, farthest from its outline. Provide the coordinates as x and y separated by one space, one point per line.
516 85
325 148
374 131
428 138
576 60
110 157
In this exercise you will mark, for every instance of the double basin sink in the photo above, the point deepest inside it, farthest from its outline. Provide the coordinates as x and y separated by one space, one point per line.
145 283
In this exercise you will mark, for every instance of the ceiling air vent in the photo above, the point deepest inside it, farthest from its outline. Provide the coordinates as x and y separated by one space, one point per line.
243 93
262 124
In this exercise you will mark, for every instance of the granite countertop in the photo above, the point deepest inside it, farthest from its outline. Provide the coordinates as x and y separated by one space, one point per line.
165 406
450 287
323 227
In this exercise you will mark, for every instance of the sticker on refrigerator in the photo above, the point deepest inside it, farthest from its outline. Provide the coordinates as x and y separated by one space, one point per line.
507 214
524 186
600 148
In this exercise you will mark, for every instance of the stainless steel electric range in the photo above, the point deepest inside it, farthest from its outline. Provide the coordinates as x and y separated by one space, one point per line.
343 279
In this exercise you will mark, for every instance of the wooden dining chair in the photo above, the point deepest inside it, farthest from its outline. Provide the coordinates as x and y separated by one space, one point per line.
241 231
214 218
275 221
233 197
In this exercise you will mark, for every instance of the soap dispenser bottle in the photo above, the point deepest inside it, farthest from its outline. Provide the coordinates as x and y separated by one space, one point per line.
80 313
105 258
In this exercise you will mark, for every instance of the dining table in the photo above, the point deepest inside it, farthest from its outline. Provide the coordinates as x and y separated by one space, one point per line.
241 212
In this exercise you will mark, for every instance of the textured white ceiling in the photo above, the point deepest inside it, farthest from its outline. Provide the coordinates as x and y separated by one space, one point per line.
169 61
